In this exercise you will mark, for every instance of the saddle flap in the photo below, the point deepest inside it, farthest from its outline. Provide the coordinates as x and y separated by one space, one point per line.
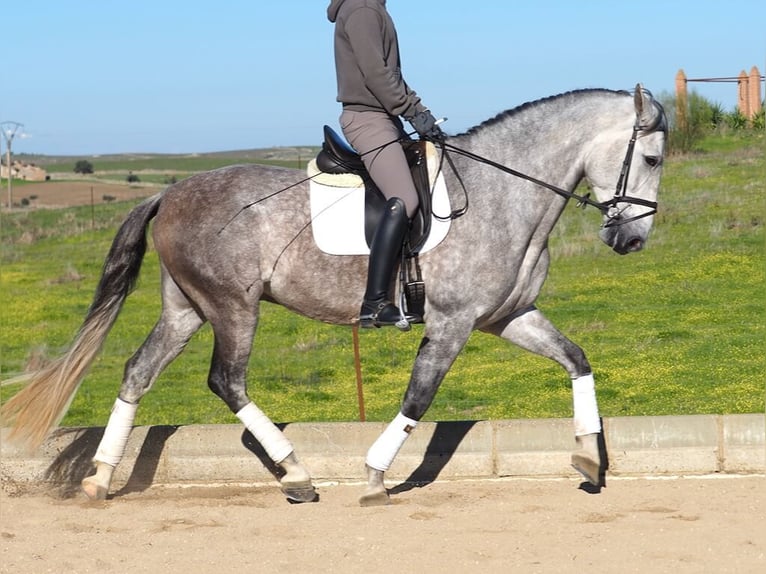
338 212
337 157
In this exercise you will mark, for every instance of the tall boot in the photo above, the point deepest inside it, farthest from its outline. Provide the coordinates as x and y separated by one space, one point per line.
377 310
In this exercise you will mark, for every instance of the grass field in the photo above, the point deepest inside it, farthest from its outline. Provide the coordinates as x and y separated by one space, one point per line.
118 166
676 329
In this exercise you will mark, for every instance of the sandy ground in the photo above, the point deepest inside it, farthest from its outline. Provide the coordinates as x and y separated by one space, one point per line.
69 193
640 525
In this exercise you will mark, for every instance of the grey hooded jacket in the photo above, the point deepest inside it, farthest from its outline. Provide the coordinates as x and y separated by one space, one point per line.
367 59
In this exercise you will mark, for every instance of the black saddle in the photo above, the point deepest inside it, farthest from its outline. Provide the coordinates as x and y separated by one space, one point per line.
338 157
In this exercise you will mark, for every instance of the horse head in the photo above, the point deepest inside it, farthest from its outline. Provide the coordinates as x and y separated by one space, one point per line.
629 208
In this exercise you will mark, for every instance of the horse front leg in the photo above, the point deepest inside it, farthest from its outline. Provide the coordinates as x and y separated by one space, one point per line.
532 331
438 350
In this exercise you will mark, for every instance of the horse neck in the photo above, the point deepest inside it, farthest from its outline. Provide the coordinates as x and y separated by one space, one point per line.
548 139
548 151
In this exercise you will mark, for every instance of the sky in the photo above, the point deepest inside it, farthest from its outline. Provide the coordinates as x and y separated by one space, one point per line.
170 76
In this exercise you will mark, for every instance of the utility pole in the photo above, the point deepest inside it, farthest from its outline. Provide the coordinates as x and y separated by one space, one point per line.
9 129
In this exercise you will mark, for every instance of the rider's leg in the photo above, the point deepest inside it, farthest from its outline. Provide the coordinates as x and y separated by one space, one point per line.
375 136
377 310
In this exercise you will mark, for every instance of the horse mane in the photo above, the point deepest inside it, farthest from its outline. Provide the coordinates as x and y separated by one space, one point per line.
502 116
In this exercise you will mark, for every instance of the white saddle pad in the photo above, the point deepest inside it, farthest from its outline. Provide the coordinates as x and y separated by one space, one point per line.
337 210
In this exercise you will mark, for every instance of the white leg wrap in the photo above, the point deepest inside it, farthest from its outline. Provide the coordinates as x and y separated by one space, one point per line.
115 439
265 432
384 450
586 419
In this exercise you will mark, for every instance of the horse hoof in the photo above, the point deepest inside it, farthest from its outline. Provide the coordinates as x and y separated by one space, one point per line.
587 467
377 498
300 492
93 490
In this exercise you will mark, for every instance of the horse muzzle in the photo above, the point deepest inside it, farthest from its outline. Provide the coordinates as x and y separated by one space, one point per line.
620 242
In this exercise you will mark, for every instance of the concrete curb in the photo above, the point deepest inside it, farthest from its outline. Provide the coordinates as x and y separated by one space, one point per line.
636 446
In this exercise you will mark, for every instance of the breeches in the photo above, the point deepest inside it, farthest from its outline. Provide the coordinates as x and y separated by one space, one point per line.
375 136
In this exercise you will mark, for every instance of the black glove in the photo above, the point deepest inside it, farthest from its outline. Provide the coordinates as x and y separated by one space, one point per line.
425 124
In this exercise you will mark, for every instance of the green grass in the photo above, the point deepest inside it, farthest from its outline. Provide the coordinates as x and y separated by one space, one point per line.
676 329
175 164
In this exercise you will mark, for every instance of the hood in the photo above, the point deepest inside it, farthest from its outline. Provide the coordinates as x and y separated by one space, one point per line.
334 7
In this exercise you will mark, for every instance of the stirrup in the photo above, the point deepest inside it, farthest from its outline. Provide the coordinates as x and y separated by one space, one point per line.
369 319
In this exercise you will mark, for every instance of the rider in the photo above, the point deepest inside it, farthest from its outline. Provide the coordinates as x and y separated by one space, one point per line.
374 95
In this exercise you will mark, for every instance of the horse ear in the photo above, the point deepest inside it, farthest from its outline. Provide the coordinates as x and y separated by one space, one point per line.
645 106
638 100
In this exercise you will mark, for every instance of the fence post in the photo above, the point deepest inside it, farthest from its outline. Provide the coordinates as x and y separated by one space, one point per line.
755 92
358 366
681 100
743 94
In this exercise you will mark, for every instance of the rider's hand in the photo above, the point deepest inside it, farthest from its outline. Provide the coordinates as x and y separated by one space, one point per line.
425 124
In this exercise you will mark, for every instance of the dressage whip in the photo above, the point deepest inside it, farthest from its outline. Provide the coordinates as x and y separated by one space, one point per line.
297 183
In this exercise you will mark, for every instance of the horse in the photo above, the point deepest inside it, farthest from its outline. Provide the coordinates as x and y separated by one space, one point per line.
232 237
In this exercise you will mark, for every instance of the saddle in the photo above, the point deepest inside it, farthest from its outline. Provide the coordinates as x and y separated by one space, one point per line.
337 157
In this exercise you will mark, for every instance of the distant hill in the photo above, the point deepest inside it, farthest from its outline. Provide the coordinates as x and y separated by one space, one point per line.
266 155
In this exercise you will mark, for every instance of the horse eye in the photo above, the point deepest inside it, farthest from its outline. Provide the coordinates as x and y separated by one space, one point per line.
652 160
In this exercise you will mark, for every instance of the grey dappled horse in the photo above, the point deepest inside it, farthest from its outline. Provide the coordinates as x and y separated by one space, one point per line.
219 260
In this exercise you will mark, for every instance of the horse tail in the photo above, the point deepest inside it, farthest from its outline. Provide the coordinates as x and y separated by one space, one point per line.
43 402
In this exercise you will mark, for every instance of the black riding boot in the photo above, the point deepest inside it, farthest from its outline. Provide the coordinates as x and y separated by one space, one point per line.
377 310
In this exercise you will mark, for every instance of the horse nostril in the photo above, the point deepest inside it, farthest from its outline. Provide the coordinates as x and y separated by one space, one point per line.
635 244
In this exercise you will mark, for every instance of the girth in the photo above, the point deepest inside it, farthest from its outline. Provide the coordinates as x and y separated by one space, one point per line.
338 157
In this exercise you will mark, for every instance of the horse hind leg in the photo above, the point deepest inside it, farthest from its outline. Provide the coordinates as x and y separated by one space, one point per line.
228 380
110 450
178 322
295 481
532 331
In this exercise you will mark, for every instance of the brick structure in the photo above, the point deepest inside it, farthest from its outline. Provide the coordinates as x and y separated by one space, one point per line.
25 171
748 93
754 86
743 94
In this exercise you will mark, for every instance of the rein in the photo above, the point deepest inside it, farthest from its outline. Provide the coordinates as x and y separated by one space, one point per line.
610 208
582 200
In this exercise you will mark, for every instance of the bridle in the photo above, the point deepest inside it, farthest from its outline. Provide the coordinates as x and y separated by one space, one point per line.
610 208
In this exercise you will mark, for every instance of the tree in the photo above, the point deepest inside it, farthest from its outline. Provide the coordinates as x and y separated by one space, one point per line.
83 166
